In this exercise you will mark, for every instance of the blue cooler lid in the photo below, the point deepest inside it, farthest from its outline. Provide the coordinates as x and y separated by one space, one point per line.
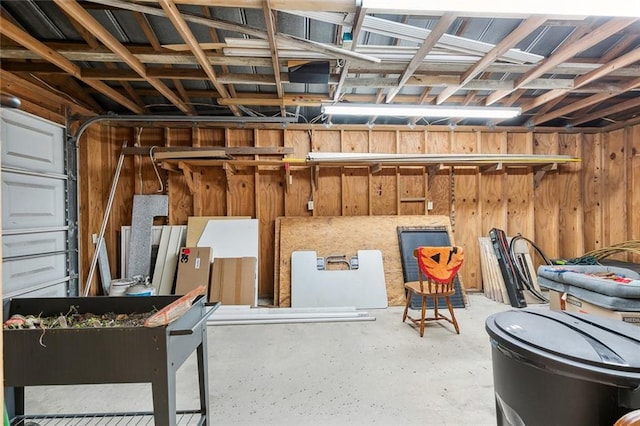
574 344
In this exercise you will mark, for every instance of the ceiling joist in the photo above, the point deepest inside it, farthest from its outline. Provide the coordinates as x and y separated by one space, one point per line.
122 56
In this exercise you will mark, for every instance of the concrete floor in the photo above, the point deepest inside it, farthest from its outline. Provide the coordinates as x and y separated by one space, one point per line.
349 373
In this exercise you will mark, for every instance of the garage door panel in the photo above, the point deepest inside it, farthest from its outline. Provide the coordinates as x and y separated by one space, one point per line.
55 290
32 201
36 243
21 274
32 144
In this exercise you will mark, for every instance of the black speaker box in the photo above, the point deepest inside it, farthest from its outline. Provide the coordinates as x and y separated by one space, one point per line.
311 73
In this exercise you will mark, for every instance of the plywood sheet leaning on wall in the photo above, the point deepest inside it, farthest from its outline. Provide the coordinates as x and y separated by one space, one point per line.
346 235
196 224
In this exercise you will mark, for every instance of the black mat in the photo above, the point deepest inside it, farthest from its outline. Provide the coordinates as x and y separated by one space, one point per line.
412 237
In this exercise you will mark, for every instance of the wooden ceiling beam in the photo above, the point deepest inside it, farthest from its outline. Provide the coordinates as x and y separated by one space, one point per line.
72 8
75 52
591 100
9 29
523 30
568 51
428 81
183 29
618 48
273 47
18 86
70 86
602 113
330 50
143 22
95 44
345 6
214 38
606 69
40 49
441 27
356 27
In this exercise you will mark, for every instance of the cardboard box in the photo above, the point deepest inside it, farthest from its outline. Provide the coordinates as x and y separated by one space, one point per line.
573 304
555 300
233 280
194 267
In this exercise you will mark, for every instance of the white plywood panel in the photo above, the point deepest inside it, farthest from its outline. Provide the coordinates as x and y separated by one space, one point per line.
233 238
363 287
32 201
20 274
31 143
36 243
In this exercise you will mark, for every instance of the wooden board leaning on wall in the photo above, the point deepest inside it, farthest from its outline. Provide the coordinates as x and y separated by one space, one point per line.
346 235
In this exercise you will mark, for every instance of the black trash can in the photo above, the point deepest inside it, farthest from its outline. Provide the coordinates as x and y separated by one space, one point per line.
560 368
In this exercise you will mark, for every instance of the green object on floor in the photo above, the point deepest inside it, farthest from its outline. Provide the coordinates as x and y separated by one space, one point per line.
6 417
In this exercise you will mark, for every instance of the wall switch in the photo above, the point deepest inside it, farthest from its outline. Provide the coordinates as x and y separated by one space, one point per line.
429 205
309 205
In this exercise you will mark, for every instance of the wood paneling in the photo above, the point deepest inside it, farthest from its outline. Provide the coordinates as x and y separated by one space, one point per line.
327 196
575 209
519 189
298 187
412 181
492 200
180 199
355 180
571 219
615 173
633 189
592 190
440 182
269 198
547 199
572 210
467 220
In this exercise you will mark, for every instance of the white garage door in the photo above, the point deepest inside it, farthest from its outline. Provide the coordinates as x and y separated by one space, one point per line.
34 218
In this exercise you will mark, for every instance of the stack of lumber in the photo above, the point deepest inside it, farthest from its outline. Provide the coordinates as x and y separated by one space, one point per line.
242 315
492 280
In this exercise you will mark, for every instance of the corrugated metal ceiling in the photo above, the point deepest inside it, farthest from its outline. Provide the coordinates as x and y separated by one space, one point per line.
247 72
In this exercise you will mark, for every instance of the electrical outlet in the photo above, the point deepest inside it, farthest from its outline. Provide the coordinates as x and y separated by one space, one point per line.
309 205
429 205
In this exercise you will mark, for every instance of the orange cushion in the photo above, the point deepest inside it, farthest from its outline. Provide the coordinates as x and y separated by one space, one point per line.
440 264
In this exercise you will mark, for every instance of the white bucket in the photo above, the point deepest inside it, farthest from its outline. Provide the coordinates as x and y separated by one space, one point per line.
119 287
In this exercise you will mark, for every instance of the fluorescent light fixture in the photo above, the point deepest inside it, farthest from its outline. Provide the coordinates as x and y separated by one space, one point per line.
434 111
629 8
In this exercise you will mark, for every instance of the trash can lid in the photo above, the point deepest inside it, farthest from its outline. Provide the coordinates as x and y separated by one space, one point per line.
596 348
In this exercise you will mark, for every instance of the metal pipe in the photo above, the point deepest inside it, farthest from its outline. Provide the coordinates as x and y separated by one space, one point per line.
179 118
105 219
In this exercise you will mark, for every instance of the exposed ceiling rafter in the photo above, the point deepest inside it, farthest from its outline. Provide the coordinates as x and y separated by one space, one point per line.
568 51
18 35
440 29
72 8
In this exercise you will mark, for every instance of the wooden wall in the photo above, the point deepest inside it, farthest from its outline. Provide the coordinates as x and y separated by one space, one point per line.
577 208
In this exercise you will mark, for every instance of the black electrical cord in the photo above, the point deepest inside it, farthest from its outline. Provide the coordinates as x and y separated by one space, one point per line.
523 271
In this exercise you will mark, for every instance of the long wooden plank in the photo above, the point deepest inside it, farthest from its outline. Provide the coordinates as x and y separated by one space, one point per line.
210 153
161 258
170 266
